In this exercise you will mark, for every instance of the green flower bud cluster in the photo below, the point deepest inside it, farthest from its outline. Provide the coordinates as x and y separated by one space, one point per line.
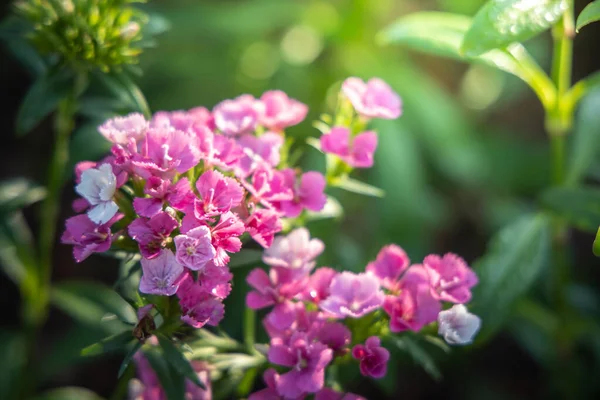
86 33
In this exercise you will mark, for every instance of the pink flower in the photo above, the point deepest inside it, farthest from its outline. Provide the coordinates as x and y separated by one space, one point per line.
268 186
165 152
152 234
218 194
391 262
120 130
198 302
194 248
217 150
161 275
374 99
270 289
356 152
336 336
353 295
450 277
319 284
270 392
373 358
238 116
257 150
309 193
98 186
330 394
225 237
88 237
179 196
280 111
296 251
415 307
262 225
307 359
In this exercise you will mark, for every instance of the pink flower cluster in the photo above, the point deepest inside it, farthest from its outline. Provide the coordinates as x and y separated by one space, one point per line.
184 187
310 306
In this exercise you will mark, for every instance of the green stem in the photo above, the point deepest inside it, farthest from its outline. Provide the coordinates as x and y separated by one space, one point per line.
249 330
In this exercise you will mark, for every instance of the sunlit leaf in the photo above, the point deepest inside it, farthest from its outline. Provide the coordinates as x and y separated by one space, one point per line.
355 186
109 344
500 23
585 147
596 246
591 13
177 360
515 257
68 393
19 193
580 206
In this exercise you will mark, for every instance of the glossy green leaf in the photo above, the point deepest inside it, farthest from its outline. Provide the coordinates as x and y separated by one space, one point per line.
596 246
19 193
43 98
419 355
355 186
171 381
500 23
585 147
109 344
89 302
176 358
68 393
515 257
580 206
591 13
128 357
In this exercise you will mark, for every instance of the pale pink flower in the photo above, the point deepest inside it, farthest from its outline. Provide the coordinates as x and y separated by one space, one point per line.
270 289
307 359
262 225
391 262
415 307
194 248
296 251
280 111
218 194
161 275
152 234
98 186
237 116
357 151
457 325
309 193
353 295
120 130
258 150
450 277
218 150
373 358
88 237
374 99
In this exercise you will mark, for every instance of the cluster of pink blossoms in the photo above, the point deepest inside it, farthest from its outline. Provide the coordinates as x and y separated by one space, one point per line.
310 307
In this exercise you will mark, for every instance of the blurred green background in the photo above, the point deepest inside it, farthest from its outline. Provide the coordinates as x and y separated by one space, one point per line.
467 157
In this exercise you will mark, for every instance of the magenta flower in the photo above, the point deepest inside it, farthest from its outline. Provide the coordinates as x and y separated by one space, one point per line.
217 150
336 336
161 275
194 248
374 99
330 394
319 284
262 225
98 186
237 116
152 234
268 186
280 111
356 152
270 289
373 358
353 295
178 196
120 130
87 237
391 262
307 359
270 392
450 277
309 193
296 251
415 307
218 194
165 152
225 237
258 150
199 306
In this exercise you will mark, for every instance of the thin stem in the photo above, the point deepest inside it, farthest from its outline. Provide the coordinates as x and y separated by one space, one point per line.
250 330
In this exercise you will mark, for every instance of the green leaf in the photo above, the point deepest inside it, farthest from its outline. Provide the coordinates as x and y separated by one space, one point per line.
352 185
176 358
419 355
43 98
125 90
500 23
14 31
19 193
171 381
89 302
245 257
109 344
14 355
596 246
68 393
579 205
515 257
127 360
585 147
591 13
17 253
